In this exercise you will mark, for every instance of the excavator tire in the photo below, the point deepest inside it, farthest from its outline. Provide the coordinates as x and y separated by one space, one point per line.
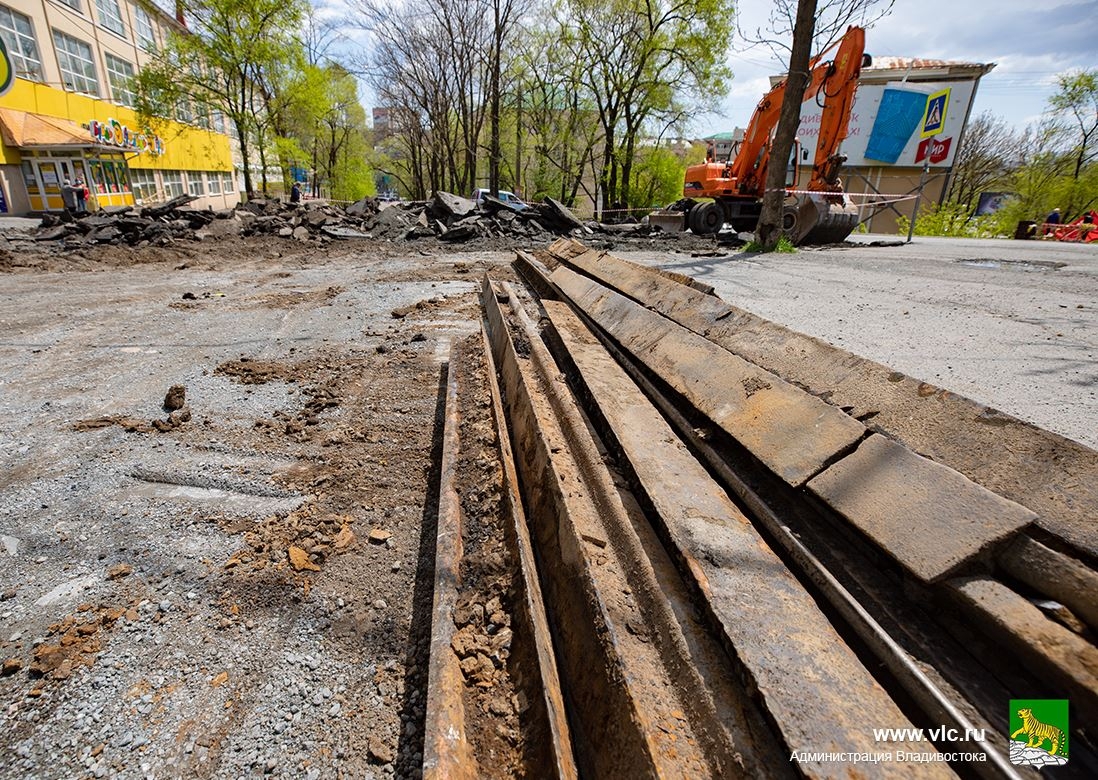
706 218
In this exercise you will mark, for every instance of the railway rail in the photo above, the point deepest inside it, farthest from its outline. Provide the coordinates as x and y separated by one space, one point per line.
733 551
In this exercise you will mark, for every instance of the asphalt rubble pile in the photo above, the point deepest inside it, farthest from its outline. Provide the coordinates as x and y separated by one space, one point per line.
445 217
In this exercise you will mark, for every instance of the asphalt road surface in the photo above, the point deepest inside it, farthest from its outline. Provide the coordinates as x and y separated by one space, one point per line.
1012 324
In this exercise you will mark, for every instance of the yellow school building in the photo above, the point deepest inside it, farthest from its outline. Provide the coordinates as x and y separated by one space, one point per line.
67 112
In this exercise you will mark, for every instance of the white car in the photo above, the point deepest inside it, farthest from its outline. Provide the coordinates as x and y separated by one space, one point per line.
509 198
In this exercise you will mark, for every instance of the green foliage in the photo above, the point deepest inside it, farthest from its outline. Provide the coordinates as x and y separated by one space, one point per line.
783 246
659 175
228 61
956 220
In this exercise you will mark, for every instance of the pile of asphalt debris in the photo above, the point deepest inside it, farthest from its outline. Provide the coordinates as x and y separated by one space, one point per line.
444 217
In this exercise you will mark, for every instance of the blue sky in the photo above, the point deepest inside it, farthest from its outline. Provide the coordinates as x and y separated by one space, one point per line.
1029 43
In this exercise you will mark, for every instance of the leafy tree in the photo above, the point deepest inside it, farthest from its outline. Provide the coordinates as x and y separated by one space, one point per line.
232 49
644 60
660 171
1075 104
987 156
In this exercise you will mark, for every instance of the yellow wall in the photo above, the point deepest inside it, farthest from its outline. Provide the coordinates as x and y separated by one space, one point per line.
185 148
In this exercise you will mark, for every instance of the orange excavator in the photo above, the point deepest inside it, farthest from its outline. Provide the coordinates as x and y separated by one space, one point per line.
733 189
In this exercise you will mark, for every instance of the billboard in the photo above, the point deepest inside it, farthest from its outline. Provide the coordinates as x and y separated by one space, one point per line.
895 116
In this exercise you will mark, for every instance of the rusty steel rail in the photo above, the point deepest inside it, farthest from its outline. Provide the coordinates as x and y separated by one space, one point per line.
932 700
777 633
533 652
643 694
446 751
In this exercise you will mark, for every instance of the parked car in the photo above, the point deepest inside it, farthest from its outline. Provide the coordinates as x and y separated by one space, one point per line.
509 198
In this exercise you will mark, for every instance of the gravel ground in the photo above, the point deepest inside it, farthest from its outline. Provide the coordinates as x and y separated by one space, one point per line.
242 588
245 593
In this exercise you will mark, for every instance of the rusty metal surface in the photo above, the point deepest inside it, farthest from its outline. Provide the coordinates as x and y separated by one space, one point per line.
942 703
633 711
446 753
1055 477
1054 574
769 622
1065 660
559 757
928 517
793 433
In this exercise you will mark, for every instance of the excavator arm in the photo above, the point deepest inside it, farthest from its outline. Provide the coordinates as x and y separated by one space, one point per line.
737 186
832 81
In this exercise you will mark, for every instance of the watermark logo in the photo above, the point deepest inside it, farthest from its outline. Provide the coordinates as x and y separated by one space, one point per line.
1039 732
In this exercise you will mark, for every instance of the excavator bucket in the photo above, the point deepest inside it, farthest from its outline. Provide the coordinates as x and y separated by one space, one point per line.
819 219
668 220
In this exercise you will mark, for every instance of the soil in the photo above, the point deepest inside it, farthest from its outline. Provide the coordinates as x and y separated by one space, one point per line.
245 592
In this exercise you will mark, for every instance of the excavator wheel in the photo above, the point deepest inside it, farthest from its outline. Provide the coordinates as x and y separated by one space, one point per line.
790 221
706 218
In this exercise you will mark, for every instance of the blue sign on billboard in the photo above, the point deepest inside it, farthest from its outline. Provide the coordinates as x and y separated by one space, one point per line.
935 116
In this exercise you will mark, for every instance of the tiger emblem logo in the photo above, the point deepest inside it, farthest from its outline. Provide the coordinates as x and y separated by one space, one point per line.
1037 733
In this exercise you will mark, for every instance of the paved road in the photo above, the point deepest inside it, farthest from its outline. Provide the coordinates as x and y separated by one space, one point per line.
1013 324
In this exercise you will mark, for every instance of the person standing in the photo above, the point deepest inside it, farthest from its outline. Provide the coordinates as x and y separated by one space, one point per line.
80 193
1052 220
295 193
68 196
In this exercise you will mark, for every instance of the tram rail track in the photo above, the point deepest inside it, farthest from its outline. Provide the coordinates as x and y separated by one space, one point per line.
714 599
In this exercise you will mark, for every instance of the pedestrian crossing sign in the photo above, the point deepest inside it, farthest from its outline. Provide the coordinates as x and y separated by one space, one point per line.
935 116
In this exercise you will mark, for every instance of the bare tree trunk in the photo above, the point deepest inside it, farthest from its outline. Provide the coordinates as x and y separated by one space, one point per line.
768 230
519 188
493 107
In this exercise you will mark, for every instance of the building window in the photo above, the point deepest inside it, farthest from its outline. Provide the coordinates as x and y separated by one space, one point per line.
183 112
194 184
110 16
227 182
146 35
77 68
173 183
218 121
213 182
144 185
18 35
74 4
120 77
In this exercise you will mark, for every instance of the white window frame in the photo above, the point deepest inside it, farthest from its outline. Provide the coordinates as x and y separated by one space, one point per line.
195 185
74 5
119 80
76 80
109 13
143 181
144 30
22 45
173 183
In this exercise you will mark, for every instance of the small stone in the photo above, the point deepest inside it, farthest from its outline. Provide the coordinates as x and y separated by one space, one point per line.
380 604
11 666
176 398
379 751
179 416
379 535
119 570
